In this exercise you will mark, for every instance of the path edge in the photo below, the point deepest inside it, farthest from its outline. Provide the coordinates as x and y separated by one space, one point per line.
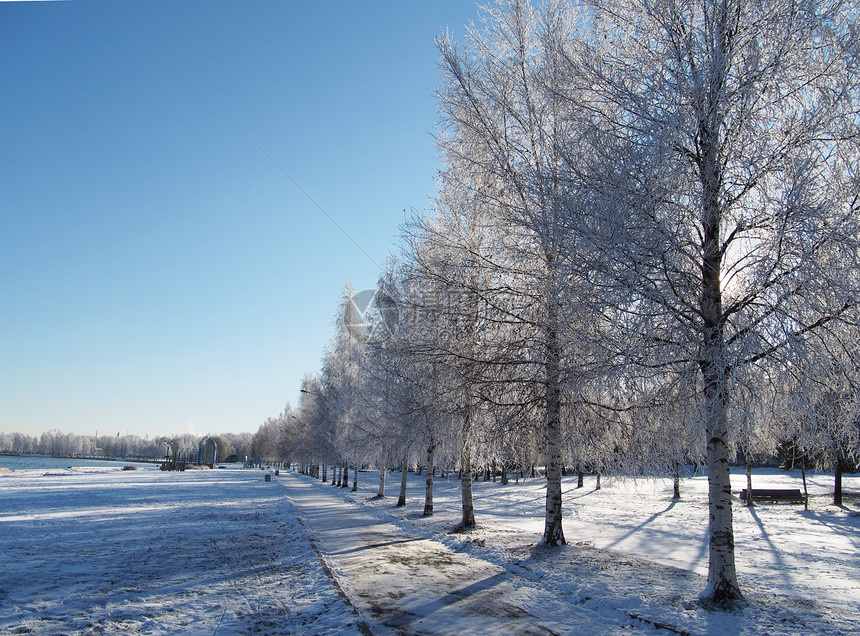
362 623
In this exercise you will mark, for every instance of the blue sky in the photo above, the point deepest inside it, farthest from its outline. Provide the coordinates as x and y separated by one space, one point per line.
158 273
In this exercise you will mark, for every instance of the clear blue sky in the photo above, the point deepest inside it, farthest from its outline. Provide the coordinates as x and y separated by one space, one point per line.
158 273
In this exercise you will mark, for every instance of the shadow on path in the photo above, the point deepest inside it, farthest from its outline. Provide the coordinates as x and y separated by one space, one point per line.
402 582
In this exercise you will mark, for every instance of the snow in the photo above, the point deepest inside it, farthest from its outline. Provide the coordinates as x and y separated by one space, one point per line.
224 552
151 552
633 551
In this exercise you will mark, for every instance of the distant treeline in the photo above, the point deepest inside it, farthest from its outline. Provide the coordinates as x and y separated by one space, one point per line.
55 442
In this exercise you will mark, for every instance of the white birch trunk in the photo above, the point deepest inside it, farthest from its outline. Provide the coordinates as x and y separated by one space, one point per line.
553 534
404 474
722 576
381 492
468 520
428 482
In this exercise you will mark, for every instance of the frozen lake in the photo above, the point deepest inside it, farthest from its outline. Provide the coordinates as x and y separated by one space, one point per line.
41 462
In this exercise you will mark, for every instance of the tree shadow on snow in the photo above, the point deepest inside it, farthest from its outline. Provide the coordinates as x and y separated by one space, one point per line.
642 525
774 550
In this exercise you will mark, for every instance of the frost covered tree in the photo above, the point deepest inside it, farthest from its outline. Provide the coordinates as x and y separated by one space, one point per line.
367 393
411 367
308 431
507 127
756 415
18 443
824 394
266 443
355 434
729 184
664 432
446 257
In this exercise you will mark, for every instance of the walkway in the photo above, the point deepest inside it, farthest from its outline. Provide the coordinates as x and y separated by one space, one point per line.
403 583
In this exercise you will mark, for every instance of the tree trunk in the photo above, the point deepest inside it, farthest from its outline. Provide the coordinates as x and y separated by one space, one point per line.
468 520
404 474
837 480
597 482
355 477
748 466
504 477
324 476
722 584
428 482
805 491
722 576
381 492
553 535
676 481
580 479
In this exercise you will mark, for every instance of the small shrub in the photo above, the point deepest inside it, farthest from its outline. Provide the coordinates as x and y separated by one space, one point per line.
129 467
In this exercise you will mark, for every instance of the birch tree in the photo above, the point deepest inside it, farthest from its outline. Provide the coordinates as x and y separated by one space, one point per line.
824 389
730 195
412 344
446 252
506 131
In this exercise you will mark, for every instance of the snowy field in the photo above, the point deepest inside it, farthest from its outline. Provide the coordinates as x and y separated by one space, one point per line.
633 548
100 551
223 552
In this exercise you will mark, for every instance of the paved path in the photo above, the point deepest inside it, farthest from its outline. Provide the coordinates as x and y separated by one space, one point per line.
404 583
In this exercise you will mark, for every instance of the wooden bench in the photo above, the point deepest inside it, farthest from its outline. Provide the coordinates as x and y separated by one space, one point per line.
775 495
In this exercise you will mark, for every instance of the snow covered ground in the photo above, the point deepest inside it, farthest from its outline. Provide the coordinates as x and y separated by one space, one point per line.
224 552
100 551
634 552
